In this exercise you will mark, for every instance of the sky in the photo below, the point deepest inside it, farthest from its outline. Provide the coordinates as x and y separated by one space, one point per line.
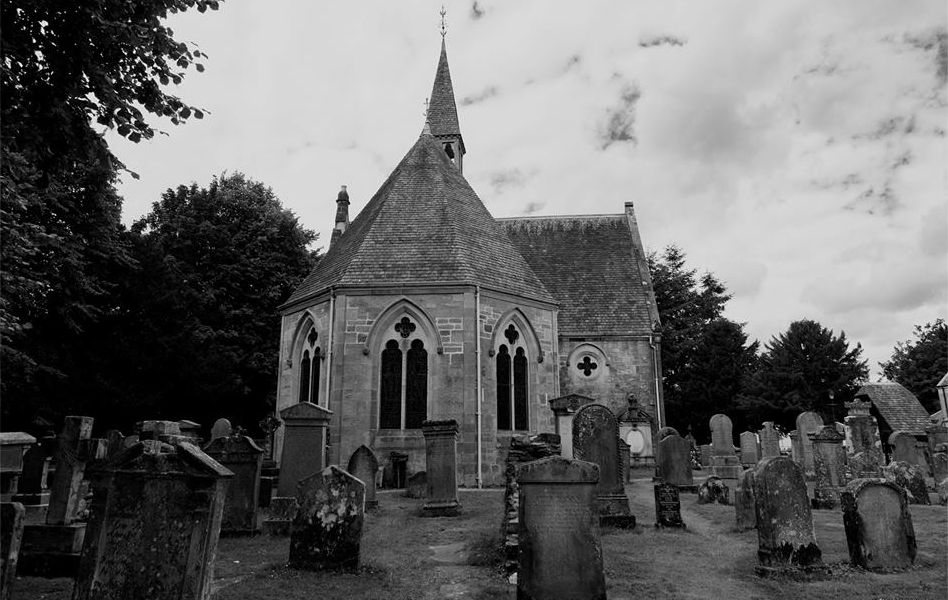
795 149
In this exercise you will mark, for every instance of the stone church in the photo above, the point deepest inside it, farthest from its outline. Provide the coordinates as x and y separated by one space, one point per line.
426 307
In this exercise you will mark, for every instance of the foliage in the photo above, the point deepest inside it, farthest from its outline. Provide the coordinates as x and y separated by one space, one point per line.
920 363
805 368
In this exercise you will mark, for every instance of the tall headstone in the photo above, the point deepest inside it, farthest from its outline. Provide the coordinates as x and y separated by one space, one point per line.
879 529
808 422
327 529
625 459
243 458
796 447
769 440
304 444
560 550
596 440
70 466
364 466
745 506
750 449
863 429
441 466
904 448
155 520
724 462
11 534
667 506
674 461
785 534
829 464
221 428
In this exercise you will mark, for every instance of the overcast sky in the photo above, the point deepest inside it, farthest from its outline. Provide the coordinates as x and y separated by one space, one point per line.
797 150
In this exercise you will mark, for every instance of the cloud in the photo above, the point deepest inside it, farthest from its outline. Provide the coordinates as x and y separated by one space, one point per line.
651 41
619 123
501 181
488 92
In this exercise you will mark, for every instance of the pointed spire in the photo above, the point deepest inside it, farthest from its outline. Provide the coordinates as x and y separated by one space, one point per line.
342 215
443 111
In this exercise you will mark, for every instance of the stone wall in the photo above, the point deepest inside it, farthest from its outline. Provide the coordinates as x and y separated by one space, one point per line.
623 366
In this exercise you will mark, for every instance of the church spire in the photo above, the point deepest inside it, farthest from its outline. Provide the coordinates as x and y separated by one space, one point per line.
442 109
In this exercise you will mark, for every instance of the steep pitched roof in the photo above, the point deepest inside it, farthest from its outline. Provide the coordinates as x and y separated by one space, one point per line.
594 266
424 225
442 109
898 406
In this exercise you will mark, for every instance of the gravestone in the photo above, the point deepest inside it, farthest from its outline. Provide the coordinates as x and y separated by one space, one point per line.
724 462
280 515
829 465
13 444
940 465
327 530
441 466
70 466
563 409
769 440
155 520
304 444
11 534
667 506
910 478
808 422
596 440
750 449
705 455
33 490
785 534
745 507
664 432
221 428
796 447
560 549
713 489
168 432
115 442
243 458
904 448
879 529
625 460
863 430
364 466
417 485
674 461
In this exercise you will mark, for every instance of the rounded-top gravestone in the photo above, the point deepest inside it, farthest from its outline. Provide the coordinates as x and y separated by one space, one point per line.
785 532
596 440
364 465
879 529
327 530
722 441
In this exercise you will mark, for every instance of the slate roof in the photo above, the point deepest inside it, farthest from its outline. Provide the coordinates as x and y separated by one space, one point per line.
424 225
442 109
898 406
595 267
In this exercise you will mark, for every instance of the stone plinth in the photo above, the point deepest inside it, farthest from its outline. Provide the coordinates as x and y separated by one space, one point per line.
441 465
829 465
11 534
563 409
596 440
560 550
327 529
667 506
863 430
304 444
879 529
674 461
155 520
785 534
244 459
364 466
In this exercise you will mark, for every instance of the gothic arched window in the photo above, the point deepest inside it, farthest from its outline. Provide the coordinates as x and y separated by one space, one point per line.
309 369
416 386
520 390
512 386
304 377
403 392
503 388
390 392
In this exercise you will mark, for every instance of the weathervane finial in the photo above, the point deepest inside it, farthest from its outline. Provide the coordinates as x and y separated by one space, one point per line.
444 27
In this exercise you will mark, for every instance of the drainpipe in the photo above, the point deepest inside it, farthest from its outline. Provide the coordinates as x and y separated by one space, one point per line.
658 382
477 371
332 326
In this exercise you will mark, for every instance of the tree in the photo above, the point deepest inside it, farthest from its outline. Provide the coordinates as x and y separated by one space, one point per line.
804 368
67 64
687 304
719 369
920 363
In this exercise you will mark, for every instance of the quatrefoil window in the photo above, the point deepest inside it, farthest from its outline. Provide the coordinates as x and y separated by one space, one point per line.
405 327
587 366
511 334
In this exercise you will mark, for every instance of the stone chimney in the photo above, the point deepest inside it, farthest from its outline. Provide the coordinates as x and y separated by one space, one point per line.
342 215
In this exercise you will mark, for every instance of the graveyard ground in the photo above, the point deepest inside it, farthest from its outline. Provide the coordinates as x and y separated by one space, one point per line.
406 557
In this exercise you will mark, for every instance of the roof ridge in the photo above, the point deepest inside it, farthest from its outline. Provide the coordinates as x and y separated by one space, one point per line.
559 217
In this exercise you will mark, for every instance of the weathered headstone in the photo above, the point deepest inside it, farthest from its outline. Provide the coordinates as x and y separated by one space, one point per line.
441 466
154 524
863 430
674 461
705 455
664 432
796 447
304 444
327 530
785 532
879 529
417 485
596 440
910 478
713 489
11 534
904 448
625 459
940 465
243 458
280 515
563 409
364 466
13 444
560 550
221 428
745 507
724 462
829 464
750 449
667 506
808 422
769 440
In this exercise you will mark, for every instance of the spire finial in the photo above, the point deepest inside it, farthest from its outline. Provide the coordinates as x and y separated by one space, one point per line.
444 27
426 109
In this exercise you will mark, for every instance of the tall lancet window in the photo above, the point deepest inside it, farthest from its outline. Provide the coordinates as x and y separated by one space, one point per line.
309 368
512 385
403 389
503 388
